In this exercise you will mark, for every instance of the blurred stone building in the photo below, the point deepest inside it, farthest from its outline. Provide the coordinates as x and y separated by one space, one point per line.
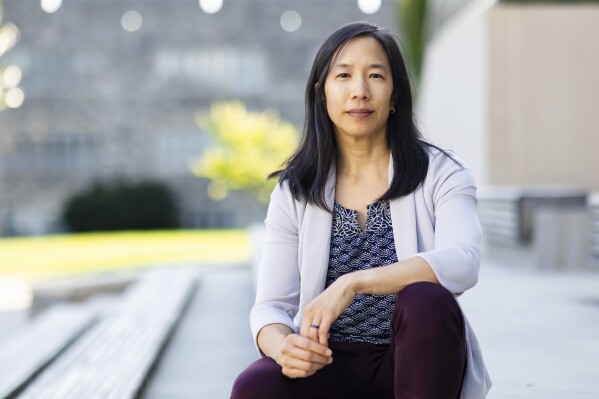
112 87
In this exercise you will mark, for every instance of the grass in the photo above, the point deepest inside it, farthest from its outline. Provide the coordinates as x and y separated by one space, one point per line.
41 257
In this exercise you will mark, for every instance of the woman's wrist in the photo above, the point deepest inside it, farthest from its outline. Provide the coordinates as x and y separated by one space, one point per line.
271 339
356 282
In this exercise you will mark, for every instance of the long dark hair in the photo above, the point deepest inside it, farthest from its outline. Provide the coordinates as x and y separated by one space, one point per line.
307 170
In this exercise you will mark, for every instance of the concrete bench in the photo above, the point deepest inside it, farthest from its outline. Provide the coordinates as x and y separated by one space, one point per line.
507 213
25 354
500 213
79 288
115 356
538 225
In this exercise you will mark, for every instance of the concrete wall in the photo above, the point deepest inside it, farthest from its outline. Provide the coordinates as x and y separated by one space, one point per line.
543 114
514 89
452 102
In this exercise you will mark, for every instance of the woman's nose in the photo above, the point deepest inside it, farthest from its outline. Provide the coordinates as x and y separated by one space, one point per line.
360 89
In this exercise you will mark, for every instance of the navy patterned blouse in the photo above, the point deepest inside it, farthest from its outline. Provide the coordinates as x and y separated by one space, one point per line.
368 318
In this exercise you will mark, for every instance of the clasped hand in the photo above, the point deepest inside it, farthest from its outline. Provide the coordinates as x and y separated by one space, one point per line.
305 353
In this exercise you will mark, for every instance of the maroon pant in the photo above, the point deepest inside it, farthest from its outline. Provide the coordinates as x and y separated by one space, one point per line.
426 358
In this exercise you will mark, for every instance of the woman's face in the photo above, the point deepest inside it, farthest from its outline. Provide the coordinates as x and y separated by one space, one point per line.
358 90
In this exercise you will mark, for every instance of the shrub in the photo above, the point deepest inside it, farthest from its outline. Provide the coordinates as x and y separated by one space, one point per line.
122 205
248 146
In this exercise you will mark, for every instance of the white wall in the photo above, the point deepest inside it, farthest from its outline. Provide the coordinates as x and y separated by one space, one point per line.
513 89
544 80
453 99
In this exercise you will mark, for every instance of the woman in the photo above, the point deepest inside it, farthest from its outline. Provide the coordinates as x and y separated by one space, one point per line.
371 232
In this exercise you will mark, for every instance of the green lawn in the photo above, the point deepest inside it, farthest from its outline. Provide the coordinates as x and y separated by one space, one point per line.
40 257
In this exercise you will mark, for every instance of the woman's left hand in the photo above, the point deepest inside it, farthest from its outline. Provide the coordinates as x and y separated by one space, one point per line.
326 308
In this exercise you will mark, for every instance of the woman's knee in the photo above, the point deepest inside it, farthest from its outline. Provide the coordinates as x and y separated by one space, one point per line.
262 379
429 304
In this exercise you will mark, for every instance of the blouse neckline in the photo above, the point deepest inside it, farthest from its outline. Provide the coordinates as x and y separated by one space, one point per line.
352 215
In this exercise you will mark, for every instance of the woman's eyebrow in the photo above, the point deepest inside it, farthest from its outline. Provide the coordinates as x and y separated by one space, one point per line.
372 66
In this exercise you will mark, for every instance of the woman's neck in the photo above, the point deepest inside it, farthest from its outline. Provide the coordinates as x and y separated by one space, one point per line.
363 160
362 177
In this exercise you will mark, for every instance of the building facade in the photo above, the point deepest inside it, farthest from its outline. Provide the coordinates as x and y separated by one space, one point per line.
112 87
513 89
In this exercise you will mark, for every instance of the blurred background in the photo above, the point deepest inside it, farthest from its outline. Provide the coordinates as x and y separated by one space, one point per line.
138 133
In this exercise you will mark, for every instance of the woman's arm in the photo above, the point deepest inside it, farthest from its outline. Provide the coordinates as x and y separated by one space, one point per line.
392 278
450 192
332 302
277 295
277 292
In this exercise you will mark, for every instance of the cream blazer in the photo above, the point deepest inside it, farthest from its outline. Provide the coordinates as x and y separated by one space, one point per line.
437 222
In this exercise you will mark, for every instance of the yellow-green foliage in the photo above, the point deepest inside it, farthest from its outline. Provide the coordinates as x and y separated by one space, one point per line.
248 146
40 257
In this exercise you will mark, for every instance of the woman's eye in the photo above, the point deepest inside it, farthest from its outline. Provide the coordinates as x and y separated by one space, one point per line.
343 75
376 75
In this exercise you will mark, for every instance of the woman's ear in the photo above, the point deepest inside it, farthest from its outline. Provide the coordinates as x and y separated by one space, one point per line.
392 105
316 91
393 101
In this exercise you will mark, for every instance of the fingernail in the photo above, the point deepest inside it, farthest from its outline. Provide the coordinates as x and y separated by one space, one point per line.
330 360
329 352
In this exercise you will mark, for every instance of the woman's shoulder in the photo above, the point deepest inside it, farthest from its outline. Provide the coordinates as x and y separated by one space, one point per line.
283 213
282 201
446 169
443 158
282 192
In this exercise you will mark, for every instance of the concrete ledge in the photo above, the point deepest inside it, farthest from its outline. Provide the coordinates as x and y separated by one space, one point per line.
79 288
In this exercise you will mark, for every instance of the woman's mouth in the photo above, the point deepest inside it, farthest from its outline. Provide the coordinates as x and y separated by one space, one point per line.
359 112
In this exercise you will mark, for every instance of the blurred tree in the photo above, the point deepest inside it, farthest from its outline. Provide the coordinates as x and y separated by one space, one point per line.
10 93
412 16
248 146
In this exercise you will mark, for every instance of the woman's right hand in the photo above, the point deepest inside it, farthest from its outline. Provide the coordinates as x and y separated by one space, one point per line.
301 357
298 356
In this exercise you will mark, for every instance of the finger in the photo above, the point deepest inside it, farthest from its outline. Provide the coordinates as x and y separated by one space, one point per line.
305 327
309 345
295 373
299 353
299 364
297 368
323 332
313 331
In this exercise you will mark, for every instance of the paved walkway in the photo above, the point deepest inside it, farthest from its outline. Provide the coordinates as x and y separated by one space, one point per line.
213 342
539 333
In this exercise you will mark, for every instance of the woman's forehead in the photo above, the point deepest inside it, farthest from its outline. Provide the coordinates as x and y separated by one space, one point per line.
360 49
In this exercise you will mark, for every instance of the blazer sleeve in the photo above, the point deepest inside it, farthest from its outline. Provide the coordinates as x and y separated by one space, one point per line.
278 289
455 257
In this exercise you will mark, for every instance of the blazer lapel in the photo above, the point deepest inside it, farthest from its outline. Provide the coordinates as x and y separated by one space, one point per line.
403 217
317 242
